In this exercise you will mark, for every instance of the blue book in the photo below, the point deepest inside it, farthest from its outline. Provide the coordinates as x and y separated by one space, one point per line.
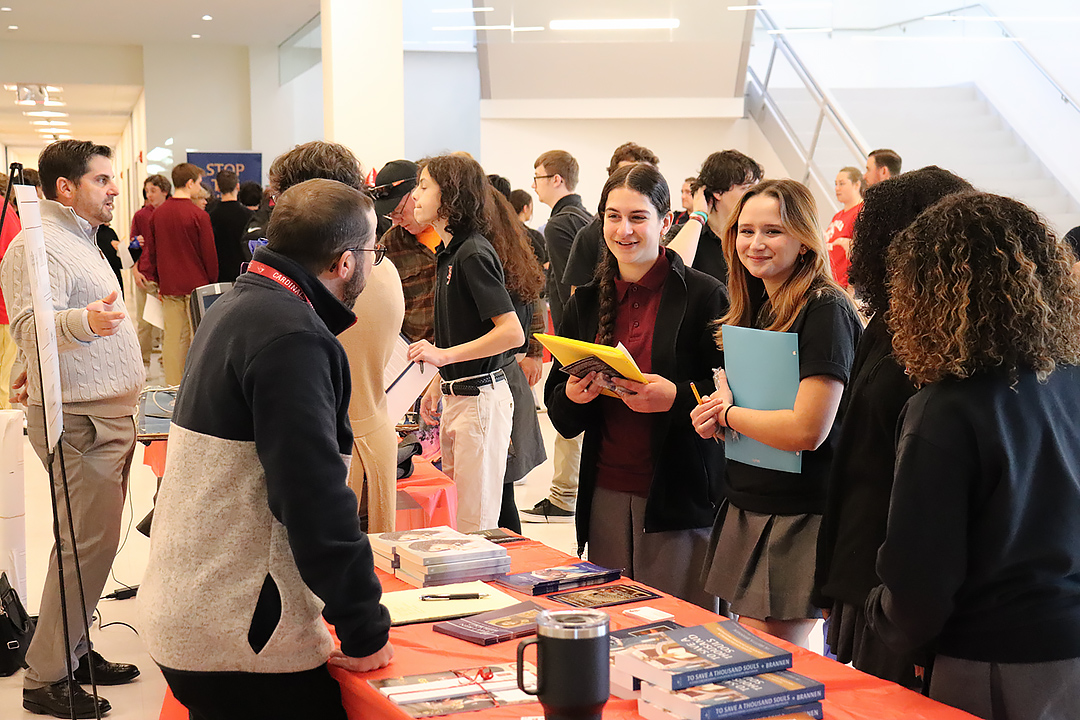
685 657
739 698
809 711
762 370
564 577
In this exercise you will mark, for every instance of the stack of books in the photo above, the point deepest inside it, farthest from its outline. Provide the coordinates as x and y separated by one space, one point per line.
384 545
713 671
564 577
449 558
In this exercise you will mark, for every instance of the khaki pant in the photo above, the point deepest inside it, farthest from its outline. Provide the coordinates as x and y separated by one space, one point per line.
8 351
97 457
177 339
564 483
148 334
474 435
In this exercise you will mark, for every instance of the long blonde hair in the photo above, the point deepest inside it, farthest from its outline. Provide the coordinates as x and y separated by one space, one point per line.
798 213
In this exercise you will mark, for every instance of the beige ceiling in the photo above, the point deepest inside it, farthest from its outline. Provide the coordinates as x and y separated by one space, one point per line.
101 111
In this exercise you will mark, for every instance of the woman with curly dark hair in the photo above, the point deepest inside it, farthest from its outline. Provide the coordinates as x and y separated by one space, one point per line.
476 334
857 497
981 559
765 534
648 483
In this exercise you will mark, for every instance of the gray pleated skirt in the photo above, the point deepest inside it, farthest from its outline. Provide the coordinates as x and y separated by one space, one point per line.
763 564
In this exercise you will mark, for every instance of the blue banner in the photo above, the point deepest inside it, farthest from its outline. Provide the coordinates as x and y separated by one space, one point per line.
247 165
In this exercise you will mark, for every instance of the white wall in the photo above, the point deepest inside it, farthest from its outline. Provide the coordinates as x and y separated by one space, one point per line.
201 101
442 103
282 116
509 148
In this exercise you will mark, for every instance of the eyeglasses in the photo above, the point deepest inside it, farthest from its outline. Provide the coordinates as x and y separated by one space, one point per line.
541 177
383 192
379 250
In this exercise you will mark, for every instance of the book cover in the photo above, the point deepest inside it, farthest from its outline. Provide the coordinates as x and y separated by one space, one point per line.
454 691
736 697
409 564
449 549
708 653
499 536
604 596
386 543
495 626
406 607
749 355
564 577
628 685
808 711
617 360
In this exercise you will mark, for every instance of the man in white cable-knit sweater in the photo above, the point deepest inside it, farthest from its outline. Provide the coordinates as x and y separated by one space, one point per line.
101 375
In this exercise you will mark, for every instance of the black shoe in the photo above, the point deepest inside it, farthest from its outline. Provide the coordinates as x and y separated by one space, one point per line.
53 700
105 672
547 511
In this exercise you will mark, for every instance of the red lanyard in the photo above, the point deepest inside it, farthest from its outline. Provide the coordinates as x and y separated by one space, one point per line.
281 279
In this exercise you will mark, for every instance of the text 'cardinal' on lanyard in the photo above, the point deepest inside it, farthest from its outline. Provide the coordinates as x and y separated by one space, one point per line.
281 279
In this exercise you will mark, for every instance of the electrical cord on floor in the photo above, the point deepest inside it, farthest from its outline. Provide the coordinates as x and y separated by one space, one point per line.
102 624
128 590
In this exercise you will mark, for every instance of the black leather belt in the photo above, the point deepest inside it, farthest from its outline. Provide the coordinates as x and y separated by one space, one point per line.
471 385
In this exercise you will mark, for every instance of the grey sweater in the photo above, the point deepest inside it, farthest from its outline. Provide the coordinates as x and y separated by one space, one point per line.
99 375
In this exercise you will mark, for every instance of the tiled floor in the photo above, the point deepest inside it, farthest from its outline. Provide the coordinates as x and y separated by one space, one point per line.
141 700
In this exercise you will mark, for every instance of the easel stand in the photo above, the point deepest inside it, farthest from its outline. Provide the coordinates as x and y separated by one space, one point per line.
52 454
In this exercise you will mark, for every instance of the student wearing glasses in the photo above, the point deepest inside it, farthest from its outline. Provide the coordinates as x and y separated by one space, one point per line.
476 334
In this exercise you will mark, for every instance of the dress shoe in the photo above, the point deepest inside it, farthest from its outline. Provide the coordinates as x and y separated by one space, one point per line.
53 700
105 672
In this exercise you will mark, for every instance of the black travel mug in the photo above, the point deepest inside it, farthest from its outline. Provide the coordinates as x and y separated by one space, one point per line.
572 649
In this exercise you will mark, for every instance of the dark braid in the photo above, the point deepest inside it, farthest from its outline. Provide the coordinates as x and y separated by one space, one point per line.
606 272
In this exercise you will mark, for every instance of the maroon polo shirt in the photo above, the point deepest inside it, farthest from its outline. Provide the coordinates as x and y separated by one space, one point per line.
626 460
178 249
140 223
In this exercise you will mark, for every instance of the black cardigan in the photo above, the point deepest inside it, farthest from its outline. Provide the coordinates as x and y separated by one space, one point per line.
686 481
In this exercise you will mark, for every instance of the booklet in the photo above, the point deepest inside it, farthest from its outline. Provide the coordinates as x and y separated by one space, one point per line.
685 657
564 577
495 626
499 536
749 356
611 361
454 691
623 684
736 698
404 380
604 596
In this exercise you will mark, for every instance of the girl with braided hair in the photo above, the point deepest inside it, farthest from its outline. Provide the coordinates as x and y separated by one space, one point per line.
648 483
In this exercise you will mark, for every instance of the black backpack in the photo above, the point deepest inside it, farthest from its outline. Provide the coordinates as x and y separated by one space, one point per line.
16 629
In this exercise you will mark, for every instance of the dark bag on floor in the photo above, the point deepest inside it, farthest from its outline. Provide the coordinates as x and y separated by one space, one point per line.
407 447
16 629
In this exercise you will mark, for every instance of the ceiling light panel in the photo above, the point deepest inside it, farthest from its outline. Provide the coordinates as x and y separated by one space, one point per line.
616 24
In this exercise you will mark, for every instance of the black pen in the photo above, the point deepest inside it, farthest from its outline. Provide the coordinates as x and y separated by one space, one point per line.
454 596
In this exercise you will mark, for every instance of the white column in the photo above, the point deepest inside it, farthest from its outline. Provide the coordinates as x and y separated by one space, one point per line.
364 78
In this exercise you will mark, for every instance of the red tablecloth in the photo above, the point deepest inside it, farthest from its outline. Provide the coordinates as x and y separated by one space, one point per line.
849 694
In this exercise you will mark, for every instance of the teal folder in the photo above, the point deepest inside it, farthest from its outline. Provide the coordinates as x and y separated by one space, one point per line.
762 370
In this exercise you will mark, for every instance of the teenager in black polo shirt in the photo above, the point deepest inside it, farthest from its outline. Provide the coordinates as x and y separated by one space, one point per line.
476 333
765 535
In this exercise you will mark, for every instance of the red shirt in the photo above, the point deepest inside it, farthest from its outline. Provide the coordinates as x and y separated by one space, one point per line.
625 459
839 228
140 222
12 227
178 249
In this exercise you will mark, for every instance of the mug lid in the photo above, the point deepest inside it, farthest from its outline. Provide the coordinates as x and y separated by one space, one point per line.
572 624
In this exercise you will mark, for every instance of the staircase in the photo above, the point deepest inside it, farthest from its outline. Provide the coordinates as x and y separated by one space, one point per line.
953 127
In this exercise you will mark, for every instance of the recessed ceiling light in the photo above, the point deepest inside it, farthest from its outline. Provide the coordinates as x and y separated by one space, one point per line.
464 10
207 17
616 24
5 9
12 27
45 113
52 123
196 37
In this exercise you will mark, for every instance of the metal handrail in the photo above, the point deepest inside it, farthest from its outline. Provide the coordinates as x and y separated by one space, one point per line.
1062 92
825 100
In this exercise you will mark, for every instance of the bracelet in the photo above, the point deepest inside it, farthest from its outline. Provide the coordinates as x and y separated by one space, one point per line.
700 217
726 411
